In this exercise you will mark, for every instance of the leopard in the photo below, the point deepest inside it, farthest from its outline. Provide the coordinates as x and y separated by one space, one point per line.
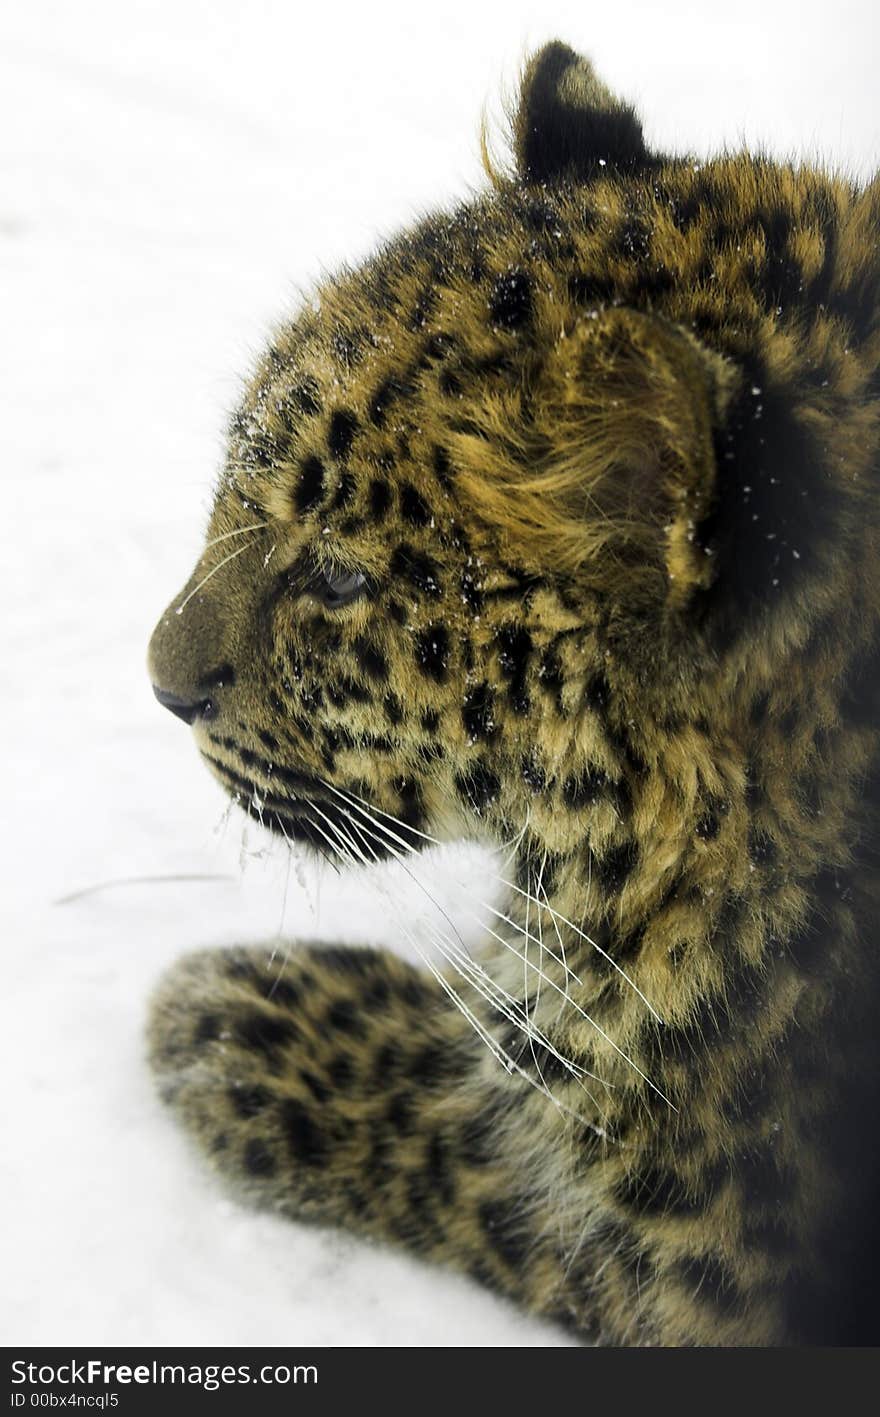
554 526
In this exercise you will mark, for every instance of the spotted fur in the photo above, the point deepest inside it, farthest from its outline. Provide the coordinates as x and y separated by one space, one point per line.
557 523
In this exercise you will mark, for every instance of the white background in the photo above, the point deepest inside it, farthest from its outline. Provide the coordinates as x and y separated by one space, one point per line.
171 176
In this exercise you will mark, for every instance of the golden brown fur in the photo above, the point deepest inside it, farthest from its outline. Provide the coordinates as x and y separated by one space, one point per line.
603 445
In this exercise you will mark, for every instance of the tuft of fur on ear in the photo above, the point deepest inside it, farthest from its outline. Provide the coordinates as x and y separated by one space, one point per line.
568 124
610 470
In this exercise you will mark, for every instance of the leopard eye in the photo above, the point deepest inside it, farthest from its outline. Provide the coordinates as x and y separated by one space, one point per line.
335 587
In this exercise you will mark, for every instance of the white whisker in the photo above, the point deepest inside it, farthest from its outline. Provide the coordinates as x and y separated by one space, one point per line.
366 808
204 581
529 965
344 843
353 797
242 530
529 1028
592 943
488 989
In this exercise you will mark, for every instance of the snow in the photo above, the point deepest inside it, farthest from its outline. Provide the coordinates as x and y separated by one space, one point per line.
173 175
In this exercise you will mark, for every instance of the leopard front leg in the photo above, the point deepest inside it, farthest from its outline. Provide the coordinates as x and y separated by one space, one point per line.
342 1086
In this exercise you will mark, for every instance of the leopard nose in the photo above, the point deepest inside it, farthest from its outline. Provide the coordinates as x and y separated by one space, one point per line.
187 709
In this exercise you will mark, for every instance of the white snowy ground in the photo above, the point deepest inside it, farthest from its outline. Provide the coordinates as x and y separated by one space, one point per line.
170 175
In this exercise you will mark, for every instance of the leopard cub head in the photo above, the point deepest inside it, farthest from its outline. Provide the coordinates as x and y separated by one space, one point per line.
487 518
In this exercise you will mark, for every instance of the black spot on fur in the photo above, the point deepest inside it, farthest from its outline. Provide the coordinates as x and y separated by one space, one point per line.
505 1233
418 569
340 1070
762 848
379 1167
310 488
347 345
470 592
538 214
585 789
591 290
429 1066
432 652
514 651
409 798
535 863
449 383
258 1158
305 399
551 680
510 304
810 946
535 1059
248 1101
598 695
343 1017
413 507
533 774
388 1063
632 239
415 993
266 1033
393 709
343 427
442 468
615 866
711 1281
371 659
242 969
478 713
477 1140
716 1019
401 1114
376 993
646 286
386 395
439 1168
380 497
268 451
316 1086
420 1196
654 1192
438 345
304 1137
346 689
425 303
345 490
620 741
780 277
478 786
207 1028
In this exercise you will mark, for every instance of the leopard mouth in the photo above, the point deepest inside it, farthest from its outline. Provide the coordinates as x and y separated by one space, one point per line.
347 835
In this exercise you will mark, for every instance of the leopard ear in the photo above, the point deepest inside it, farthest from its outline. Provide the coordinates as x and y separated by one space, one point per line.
616 468
568 124
634 405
